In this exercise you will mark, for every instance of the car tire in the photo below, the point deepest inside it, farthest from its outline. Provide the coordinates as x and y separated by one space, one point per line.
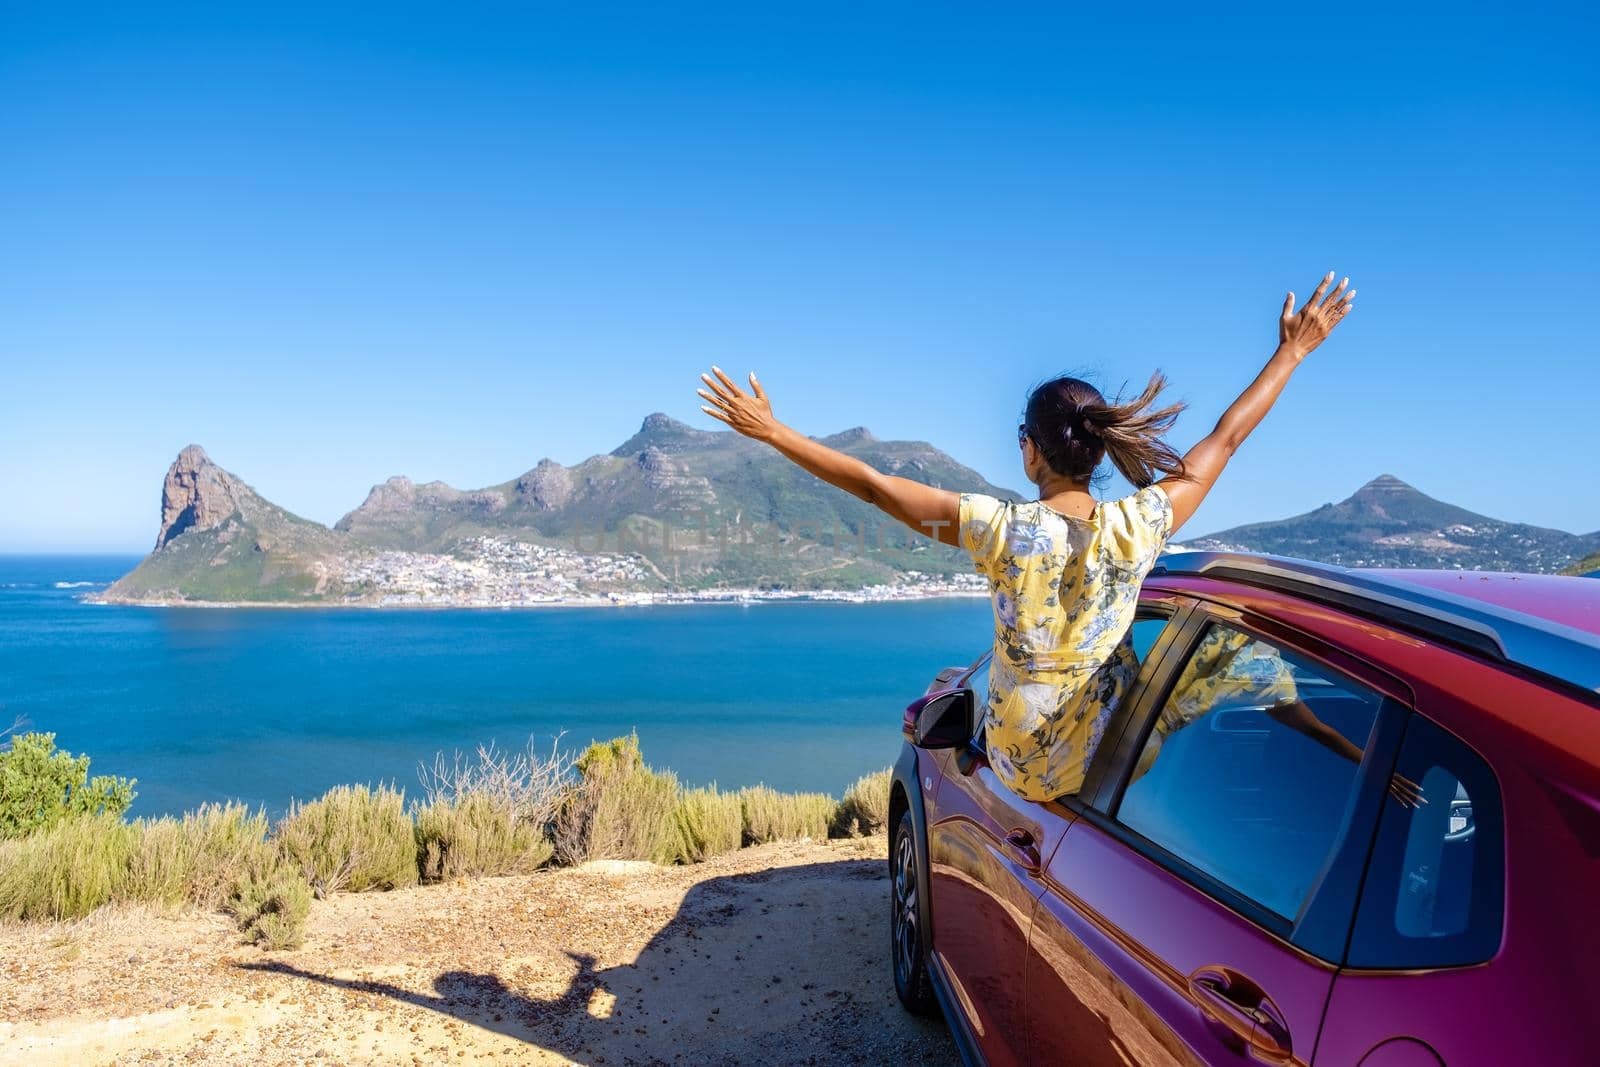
907 913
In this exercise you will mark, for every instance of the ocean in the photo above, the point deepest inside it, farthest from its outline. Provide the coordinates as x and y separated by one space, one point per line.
266 706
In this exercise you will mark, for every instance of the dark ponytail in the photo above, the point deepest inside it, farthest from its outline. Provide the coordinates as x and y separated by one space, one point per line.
1074 426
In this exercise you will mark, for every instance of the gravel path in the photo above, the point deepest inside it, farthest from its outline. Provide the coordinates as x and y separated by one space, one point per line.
775 954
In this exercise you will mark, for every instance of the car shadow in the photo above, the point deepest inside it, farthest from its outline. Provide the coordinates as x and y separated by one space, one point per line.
789 965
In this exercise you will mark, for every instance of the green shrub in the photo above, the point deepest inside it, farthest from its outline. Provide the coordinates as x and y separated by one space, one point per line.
865 807
65 870
619 755
618 808
198 859
40 786
476 835
773 816
708 823
354 838
271 906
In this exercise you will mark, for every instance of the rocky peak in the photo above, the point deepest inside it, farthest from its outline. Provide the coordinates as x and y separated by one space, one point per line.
197 495
854 435
1385 484
401 494
657 422
395 494
547 487
661 431
1387 497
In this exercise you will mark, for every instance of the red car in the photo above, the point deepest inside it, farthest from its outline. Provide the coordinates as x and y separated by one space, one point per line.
1370 836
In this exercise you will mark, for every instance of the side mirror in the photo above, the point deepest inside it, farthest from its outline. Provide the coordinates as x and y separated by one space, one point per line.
940 720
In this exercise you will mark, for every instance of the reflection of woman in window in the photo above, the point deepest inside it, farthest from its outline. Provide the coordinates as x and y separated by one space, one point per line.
1231 668
1064 569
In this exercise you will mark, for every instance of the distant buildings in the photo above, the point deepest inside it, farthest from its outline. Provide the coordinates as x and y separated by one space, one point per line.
496 572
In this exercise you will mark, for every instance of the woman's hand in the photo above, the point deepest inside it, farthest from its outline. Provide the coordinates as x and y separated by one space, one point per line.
749 413
929 511
1406 792
1301 331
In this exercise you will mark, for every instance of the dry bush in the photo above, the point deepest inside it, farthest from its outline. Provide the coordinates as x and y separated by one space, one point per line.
527 782
66 870
708 823
352 839
488 815
865 807
198 859
272 904
617 809
476 835
773 816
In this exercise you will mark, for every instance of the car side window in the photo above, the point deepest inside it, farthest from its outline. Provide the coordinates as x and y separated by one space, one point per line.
1435 886
1249 767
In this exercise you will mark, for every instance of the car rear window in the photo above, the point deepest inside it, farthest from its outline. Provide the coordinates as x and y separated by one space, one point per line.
1434 893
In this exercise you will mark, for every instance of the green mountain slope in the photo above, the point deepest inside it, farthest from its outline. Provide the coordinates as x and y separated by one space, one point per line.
705 507
1387 523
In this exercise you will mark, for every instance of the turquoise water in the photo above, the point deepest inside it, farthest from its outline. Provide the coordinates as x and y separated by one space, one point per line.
264 706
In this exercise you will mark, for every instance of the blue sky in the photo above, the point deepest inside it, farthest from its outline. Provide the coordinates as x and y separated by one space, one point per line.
335 245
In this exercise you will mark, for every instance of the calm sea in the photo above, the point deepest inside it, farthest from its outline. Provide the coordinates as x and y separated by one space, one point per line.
264 706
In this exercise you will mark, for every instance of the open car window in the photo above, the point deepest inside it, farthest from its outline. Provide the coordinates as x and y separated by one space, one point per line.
1148 626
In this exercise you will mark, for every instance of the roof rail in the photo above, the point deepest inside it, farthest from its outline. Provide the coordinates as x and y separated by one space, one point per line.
1562 653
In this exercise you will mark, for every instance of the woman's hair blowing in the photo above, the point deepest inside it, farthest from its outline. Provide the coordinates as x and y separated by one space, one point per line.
1075 427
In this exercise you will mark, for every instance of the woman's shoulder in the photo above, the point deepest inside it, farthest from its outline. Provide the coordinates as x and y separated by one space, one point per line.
982 507
1144 515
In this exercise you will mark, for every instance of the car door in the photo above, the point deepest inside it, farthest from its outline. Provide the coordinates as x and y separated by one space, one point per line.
985 848
1194 907
1432 911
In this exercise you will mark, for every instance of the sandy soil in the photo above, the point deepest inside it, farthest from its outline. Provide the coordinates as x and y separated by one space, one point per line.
776 954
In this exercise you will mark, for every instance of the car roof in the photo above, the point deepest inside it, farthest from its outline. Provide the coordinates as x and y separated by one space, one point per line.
1491 618
1568 601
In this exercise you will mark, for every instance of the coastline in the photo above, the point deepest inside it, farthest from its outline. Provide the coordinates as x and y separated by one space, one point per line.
738 598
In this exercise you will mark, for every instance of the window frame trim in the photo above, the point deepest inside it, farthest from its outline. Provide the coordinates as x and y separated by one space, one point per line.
1153 671
1326 922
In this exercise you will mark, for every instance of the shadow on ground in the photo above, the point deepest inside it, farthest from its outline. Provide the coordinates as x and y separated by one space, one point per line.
782 966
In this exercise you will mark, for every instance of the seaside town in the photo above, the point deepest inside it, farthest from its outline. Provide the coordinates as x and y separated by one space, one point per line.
496 572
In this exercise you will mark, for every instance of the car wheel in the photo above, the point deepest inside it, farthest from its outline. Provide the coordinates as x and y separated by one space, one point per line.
907 908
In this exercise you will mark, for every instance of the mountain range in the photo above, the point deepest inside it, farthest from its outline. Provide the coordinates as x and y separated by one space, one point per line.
693 509
1387 523
675 509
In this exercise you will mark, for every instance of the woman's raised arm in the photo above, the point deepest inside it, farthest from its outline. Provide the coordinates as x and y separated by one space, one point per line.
929 511
1298 333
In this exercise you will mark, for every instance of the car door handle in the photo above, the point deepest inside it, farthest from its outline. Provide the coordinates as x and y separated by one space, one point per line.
1022 845
1240 1006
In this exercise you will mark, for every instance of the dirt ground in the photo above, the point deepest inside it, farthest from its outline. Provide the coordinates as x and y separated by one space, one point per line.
776 954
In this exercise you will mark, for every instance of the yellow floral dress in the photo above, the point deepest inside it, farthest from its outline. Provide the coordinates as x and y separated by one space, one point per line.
1064 592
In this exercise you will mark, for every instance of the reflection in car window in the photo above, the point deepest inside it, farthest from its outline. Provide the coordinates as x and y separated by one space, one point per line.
1434 887
1249 767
